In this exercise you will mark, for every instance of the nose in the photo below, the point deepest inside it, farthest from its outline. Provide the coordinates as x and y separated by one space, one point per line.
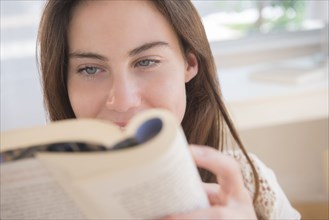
123 94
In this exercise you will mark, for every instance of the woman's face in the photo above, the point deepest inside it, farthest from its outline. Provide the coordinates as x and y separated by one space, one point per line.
125 58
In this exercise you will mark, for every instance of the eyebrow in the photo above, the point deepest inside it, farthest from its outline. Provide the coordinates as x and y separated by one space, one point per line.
137 50
79 54
147 46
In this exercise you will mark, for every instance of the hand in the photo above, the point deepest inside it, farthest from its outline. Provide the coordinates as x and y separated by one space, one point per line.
230 199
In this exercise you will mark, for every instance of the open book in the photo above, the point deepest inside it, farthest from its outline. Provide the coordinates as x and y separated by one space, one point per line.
90 169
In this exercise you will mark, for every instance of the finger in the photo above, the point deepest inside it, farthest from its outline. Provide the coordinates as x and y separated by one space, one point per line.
204 214
212 191
217 212
211 213
224 167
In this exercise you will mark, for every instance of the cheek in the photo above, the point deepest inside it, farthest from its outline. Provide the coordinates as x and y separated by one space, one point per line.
168 94
85 101
179 101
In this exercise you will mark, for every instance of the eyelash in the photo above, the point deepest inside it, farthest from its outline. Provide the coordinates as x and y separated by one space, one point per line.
84 69
150 63
154 62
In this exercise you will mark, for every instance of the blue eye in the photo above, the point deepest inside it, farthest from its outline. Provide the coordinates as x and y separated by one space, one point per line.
89 70
147 63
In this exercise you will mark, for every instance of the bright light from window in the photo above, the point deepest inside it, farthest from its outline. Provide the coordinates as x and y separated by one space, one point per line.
227 20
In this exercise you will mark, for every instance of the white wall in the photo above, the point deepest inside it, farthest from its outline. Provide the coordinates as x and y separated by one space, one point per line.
21 96
296 153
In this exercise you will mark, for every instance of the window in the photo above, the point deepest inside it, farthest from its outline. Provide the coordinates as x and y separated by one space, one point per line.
272 58
248 32
227 20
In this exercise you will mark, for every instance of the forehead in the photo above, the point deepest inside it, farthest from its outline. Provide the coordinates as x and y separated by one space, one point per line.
126 23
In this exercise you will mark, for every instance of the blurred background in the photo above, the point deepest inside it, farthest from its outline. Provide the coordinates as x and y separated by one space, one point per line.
272 60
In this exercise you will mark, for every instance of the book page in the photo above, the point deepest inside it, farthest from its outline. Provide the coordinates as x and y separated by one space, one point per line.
69 130
171 186
166 185
28 192
153 179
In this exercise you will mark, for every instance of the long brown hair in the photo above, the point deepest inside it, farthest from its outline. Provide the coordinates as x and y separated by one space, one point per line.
206 118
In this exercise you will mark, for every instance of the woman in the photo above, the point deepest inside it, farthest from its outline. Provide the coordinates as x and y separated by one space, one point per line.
113 59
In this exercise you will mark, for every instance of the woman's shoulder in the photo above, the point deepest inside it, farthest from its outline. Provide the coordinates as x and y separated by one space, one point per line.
271 203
